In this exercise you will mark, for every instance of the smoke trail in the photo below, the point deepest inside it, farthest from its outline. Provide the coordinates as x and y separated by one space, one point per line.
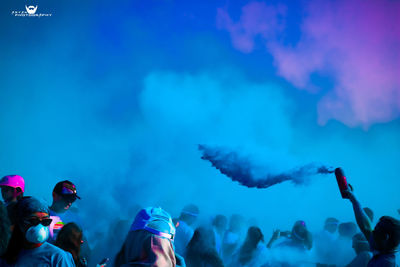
245 172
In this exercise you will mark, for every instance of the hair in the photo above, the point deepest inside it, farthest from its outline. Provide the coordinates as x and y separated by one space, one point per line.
201 249
347 229
360 243
391 227
4 229
254 236
236 222
70 239
220 220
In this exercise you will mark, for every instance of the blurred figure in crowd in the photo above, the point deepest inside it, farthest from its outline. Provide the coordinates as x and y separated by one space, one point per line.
343 246
5 232
184 230
28 246
361 248
70 239
201 251
233 236
253 252
325 240
219 227
150 241
12 188
384 239
109 245
299 238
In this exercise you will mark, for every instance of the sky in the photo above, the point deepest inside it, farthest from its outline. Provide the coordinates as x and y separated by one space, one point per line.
116 97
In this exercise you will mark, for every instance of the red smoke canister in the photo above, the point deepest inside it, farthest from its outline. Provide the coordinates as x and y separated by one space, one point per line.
341 180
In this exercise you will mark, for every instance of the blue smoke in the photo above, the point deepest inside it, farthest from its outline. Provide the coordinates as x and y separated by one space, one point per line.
244 171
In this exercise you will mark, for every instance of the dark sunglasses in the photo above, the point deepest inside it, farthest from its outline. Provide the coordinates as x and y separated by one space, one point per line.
36 221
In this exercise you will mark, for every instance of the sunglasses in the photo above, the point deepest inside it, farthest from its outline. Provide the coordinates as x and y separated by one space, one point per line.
36 221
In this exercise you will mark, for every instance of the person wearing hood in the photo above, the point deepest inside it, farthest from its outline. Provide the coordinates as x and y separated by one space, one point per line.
150 241
28 246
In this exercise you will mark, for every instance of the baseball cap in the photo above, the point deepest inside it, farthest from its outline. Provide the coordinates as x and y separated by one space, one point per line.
156 221
14 181
66 188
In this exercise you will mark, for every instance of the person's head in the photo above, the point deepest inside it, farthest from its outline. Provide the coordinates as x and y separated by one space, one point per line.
253 237
33 220
386 235
299 231
347 230
156 221
331 225
360 243
220 222
202 239
301 235
236 223
64 194
152 233
12 188
369 213
189 214
70 239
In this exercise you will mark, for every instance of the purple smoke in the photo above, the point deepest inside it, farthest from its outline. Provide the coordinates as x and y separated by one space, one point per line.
242 170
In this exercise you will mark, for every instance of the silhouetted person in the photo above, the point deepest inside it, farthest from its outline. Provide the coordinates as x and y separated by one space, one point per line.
184 230
201 251
233 236
219 227
70 239
299 238
253 252
361 247
325 240
383 239
343 251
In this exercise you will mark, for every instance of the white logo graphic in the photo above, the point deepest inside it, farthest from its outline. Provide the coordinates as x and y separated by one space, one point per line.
31 9
30 12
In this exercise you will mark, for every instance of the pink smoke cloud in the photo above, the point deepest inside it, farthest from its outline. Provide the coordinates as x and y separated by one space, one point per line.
256 19
356 42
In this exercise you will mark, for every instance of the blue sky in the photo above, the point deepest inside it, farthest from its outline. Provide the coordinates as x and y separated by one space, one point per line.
116 97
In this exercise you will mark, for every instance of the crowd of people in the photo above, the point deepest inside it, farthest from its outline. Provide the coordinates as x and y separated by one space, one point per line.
36 234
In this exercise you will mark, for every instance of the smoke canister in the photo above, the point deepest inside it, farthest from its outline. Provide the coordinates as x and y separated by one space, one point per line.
341 180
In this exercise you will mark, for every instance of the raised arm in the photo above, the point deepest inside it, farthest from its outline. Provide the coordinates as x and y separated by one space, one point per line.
275 236
363 221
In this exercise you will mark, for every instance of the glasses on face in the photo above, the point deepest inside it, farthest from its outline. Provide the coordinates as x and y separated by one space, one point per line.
35 221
